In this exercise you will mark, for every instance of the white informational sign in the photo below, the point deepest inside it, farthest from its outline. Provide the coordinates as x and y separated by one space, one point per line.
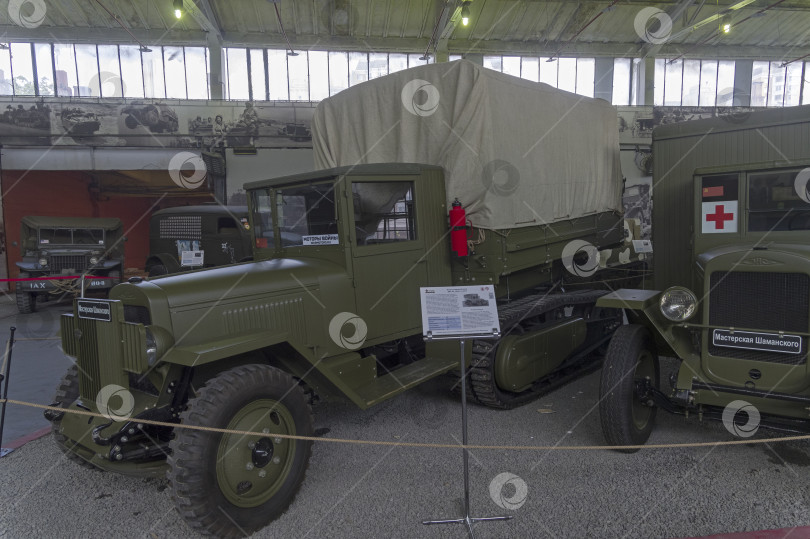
192 258
321 239
459 310
642 246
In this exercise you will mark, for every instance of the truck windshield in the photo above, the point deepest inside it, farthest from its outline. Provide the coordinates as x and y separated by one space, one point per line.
305 215
67 236
778 202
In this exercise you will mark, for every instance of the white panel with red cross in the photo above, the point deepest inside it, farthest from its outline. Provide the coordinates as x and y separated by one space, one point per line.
719 217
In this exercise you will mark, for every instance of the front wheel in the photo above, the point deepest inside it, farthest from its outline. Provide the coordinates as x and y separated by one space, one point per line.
231 484
630 369
26 301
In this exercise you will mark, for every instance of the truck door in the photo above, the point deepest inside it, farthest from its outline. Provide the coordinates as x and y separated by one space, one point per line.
387 255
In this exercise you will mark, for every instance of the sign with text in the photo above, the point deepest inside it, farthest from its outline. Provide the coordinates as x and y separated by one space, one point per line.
94 310
459 310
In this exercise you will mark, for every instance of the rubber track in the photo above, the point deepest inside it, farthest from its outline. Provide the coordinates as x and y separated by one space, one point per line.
482 387
66 393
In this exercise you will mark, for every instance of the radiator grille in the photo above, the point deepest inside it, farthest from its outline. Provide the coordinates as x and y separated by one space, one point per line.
181 227
87 360
58 263
762 301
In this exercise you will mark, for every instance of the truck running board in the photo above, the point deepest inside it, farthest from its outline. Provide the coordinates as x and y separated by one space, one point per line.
404 378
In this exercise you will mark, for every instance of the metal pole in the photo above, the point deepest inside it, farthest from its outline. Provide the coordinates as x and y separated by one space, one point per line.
464 432
4 377
82 292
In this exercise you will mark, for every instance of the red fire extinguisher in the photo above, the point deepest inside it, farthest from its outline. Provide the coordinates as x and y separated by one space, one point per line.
458 229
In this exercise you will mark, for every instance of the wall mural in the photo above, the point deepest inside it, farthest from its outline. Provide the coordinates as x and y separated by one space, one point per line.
149 123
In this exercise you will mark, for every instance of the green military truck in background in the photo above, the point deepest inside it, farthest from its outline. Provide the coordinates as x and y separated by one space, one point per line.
67 246
330 308
731 293
195 237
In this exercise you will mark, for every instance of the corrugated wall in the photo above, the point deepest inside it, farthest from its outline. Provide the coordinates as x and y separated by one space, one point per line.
680 149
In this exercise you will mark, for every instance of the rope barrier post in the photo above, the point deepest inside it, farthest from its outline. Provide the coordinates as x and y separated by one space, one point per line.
81 295
4 377
466 519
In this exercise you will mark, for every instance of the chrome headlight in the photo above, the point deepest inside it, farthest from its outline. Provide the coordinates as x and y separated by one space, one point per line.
151 347
43 261
93 260
678 304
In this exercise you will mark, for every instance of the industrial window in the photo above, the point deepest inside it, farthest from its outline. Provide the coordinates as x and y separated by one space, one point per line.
338 72
45 80
416 60
806 91
548 71
358 68
775 204
708 84
691 83
277 68
384 212
493 62
298 73
702 83
511 65
397 62
109 78
132 76
377 65
621 81
238 87
530 68
23 69
258 88
153 83
318 75
196 72
586 74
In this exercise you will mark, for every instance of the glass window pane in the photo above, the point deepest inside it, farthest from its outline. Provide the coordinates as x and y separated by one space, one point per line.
793 84
175 66
277 68
299 77
660 77
673 83
586 74
621 81
377 65
691 83
196 73
454 57
397 62
548 71
257 75
131 70
358 67
338 72
708 83
414 60
318 75
759 84
109 79
87 70
567 74
776 86
23 69
635 76
65 69
725 83
493 62
153 83
42 55
511 65
6 84
238 74
530 69
806 91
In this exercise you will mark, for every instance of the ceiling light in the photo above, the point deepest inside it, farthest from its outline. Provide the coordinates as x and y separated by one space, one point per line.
178 8
725 24
465 13
145 49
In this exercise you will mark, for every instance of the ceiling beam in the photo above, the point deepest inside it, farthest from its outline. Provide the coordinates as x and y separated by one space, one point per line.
203 13
674 13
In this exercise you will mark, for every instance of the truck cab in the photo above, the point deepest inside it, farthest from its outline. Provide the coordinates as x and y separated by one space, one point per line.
734 308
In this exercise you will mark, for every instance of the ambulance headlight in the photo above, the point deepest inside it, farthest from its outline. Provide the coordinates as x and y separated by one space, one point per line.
678 304
158 342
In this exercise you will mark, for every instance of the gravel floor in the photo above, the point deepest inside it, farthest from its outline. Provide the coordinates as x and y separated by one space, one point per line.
361 491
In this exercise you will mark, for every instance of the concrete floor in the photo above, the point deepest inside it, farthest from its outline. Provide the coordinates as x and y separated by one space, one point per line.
365 491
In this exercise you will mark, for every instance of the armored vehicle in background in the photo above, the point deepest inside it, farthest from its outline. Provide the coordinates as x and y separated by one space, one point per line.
330 308
195 237
731 297
63 247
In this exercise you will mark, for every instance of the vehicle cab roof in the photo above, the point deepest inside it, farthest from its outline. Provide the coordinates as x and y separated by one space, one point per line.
206 209
390 169
106 223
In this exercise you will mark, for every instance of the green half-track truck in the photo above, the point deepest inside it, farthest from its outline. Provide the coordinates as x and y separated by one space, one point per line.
330 308
67 246
731 287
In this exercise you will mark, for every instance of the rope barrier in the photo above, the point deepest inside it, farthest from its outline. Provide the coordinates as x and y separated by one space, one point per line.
421 445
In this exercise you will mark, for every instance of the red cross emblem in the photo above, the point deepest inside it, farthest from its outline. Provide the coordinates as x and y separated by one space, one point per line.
719 217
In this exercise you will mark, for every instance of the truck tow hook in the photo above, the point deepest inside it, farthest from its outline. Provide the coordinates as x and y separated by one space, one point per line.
98 438
52 415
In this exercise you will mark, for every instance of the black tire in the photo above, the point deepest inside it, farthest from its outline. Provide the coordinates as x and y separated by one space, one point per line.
66 393
213 476
631 356
157 270
26 301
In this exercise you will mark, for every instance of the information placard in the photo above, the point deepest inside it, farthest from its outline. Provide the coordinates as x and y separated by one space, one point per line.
459 310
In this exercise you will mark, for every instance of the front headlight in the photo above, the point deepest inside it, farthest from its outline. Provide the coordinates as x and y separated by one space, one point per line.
43 262
151 347
158 342
93 260
678 304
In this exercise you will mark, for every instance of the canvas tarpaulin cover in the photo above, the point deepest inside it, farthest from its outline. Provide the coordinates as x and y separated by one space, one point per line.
515 153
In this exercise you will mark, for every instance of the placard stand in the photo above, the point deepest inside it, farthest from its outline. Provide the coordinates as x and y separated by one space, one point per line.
466 519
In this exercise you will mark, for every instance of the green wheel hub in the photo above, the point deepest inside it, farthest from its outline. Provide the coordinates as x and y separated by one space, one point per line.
251 469
645 369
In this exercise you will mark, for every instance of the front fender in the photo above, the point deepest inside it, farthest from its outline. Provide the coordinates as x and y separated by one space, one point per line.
28 266
169 261
641 307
